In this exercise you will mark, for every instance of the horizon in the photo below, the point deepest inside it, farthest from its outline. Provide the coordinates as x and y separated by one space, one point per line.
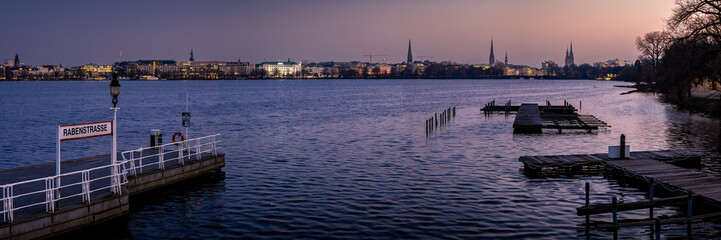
78 33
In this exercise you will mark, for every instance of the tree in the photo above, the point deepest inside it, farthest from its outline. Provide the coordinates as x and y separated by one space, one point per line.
652 46
697 19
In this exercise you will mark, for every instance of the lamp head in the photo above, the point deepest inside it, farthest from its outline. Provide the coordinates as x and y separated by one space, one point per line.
115 89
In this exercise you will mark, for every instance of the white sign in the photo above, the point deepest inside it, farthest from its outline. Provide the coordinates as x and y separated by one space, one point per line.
85 130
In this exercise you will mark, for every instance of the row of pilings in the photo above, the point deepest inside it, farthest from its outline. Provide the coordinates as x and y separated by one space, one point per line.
439 120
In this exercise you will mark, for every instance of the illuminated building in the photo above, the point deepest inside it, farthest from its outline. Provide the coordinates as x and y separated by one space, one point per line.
91 71
281 69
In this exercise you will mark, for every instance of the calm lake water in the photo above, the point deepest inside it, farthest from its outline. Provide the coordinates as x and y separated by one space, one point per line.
350 158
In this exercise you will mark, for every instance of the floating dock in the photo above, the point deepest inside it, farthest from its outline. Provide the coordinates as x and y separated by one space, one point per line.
663 172
528 119
92 190
533 118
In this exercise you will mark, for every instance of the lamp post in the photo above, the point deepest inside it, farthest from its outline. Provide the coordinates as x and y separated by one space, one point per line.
114 91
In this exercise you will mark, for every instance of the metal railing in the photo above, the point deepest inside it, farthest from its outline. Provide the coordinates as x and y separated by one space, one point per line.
156 157
82 184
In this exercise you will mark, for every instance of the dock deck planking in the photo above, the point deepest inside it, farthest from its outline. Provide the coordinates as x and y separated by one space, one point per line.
528 119
644 165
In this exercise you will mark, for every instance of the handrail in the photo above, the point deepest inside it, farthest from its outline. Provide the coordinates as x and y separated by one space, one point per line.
51 199
50 195
189 149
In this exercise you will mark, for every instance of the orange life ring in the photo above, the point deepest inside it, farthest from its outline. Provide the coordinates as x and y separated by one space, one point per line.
182 138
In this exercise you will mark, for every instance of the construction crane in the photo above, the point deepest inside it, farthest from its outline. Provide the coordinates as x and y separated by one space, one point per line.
371 55
425 57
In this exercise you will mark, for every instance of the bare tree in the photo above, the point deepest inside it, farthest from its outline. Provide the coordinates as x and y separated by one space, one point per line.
652 47
697 19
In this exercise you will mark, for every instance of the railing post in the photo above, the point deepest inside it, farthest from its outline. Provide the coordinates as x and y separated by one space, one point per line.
161 157
215 152
181 149
9 202
197 148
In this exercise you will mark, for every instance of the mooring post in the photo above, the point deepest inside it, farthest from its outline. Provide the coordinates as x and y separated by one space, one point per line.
623 147
658 228
690 202
588 203
613 203
436 119
580 106
650 197
454 111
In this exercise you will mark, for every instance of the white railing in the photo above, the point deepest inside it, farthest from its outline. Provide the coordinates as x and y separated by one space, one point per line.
156 157
43 191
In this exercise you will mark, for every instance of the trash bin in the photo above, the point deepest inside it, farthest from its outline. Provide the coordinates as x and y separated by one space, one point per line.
156 138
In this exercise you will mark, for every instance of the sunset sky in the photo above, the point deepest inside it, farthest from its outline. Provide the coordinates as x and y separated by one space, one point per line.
78 32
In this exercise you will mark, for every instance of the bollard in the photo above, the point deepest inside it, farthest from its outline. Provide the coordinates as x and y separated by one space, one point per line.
623 147
613 203
588 203
650 197
690 202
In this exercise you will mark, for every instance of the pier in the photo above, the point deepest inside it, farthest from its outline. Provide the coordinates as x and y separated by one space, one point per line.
664 173
94 190
533 118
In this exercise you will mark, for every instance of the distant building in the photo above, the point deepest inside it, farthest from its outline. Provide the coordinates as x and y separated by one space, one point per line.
89 71
281 69
569 57
410 56
492 58
192 58
608 64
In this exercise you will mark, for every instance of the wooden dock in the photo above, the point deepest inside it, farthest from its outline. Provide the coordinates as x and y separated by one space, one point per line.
528 119
662 172
533 118
595 163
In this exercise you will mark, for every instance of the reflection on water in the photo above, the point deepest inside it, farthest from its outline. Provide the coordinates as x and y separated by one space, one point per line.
350 159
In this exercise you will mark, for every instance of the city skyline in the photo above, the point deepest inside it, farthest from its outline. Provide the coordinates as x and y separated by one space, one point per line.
78 33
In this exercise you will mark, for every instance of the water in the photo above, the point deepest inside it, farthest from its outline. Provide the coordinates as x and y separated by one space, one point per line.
350 159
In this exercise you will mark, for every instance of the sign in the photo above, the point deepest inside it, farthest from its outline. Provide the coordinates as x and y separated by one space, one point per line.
85 130
186 119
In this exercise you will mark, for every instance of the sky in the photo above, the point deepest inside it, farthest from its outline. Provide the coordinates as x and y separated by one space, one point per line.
74 33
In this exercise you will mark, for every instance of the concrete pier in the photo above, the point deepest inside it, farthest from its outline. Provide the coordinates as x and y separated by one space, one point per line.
30 208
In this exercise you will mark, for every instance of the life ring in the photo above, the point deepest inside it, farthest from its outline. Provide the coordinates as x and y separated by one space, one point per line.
182 138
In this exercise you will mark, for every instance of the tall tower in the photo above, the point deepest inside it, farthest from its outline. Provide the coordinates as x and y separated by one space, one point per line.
17 60
410 56
192 58
491 59
570 56
506 61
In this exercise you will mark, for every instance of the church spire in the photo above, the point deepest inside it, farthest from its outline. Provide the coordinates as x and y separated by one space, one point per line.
410 56
192 58
17 60
506 61
491 59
